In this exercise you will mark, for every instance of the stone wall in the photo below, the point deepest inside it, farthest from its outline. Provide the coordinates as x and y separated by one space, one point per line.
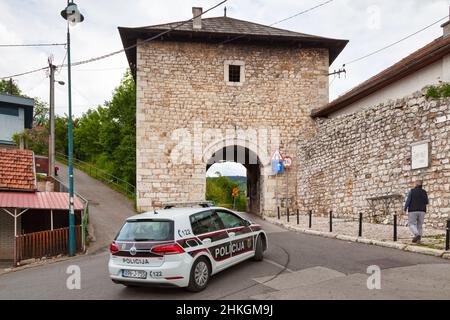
368 154
180 85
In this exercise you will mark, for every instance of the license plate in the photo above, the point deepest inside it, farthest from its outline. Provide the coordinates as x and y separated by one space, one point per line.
137 274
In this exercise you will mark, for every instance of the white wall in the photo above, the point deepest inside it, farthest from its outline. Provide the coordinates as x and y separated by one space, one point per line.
432 74
10 125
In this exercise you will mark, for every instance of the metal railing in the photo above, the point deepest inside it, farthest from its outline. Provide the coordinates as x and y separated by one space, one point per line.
116 183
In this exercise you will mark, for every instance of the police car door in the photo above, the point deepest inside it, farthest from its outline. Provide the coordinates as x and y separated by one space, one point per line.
241 236
208 228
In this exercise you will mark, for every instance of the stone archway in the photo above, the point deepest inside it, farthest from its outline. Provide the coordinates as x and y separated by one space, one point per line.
252 162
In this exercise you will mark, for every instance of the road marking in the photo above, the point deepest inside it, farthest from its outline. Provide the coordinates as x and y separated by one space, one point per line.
278 265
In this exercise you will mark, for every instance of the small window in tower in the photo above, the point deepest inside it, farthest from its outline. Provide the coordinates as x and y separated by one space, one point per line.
234 73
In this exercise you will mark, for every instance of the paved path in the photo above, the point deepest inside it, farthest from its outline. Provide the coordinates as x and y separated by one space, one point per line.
317 268
107 208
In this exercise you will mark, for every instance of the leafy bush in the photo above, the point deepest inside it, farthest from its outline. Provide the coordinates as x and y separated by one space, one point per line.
438 92
220 191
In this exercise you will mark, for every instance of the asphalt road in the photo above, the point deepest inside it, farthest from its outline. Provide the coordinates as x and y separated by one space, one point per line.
288 253
296 266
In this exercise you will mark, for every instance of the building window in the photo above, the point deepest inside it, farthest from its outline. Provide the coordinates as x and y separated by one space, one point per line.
234 72
9 111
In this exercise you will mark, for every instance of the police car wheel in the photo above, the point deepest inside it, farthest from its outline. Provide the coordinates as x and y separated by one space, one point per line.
259 250
200 274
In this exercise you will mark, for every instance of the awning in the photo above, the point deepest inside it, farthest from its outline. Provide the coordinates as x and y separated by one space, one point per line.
38 200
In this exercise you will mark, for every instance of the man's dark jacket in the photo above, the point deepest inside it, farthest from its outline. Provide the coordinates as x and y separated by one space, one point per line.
417 200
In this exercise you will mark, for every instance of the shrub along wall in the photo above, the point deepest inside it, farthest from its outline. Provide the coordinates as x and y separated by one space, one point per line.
368 154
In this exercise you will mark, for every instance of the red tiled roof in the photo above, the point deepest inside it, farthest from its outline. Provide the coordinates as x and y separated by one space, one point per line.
38 200
17 170
421 58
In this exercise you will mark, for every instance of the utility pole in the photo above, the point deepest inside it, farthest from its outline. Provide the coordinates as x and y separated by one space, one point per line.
11 86
51 135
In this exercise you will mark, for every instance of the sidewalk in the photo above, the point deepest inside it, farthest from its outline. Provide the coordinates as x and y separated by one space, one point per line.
433 241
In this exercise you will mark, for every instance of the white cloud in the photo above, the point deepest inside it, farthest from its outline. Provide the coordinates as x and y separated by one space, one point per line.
40 21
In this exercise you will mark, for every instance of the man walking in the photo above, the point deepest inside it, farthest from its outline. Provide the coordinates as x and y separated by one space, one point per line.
416 205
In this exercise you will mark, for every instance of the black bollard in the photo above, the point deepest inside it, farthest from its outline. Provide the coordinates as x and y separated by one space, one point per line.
447 237
395 227
360 224
298 217
331 221
287 213
310 219
278 213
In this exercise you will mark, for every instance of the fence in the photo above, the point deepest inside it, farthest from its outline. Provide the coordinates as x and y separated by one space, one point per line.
118 184
46 243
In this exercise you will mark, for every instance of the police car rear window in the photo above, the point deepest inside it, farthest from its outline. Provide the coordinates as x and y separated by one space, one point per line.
146 230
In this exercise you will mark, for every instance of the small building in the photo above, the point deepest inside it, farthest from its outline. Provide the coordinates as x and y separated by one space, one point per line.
430 65
16 115
32 224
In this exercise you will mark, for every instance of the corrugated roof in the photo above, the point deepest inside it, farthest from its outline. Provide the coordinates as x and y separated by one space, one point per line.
421 58
17 170
220 29
38 200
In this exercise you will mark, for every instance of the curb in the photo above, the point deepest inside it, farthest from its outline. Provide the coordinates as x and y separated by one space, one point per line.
385 244
35 263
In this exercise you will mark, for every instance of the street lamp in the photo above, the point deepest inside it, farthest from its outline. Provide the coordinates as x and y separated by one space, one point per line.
73 16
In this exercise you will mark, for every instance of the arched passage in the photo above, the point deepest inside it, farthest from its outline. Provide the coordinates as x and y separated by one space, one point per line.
252 164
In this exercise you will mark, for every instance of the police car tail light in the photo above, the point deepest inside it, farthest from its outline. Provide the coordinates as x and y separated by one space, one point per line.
113 248
169 249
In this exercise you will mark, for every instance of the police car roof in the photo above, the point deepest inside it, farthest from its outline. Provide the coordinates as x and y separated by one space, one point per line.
171 213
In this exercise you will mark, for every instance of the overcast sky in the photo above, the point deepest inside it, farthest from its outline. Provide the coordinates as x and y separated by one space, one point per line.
368 24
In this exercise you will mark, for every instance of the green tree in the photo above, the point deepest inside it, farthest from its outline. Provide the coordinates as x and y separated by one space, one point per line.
106 136
6 86
220 191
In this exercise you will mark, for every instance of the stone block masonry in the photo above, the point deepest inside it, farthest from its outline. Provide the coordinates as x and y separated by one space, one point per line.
182 84
368 154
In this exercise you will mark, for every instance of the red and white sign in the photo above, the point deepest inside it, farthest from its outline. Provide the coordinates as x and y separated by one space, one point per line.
287 162
277 156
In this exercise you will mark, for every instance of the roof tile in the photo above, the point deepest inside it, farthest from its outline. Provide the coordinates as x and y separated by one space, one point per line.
16 170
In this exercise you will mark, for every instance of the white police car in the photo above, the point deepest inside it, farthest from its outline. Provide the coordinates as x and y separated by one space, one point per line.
183 247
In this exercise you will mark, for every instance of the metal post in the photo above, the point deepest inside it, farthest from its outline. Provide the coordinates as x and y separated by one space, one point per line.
276 191
51 134
360 224
310 219
331 221
278 213
287 214
287 193
298 217
51 220
15 238
71 191
395 226
447 236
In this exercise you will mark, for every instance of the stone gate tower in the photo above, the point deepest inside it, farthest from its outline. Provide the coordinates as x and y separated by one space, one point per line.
222 89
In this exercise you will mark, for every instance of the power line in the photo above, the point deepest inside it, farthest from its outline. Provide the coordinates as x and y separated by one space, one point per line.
121 50
146 40
395 43
23 73
32 45
302 12
283 20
